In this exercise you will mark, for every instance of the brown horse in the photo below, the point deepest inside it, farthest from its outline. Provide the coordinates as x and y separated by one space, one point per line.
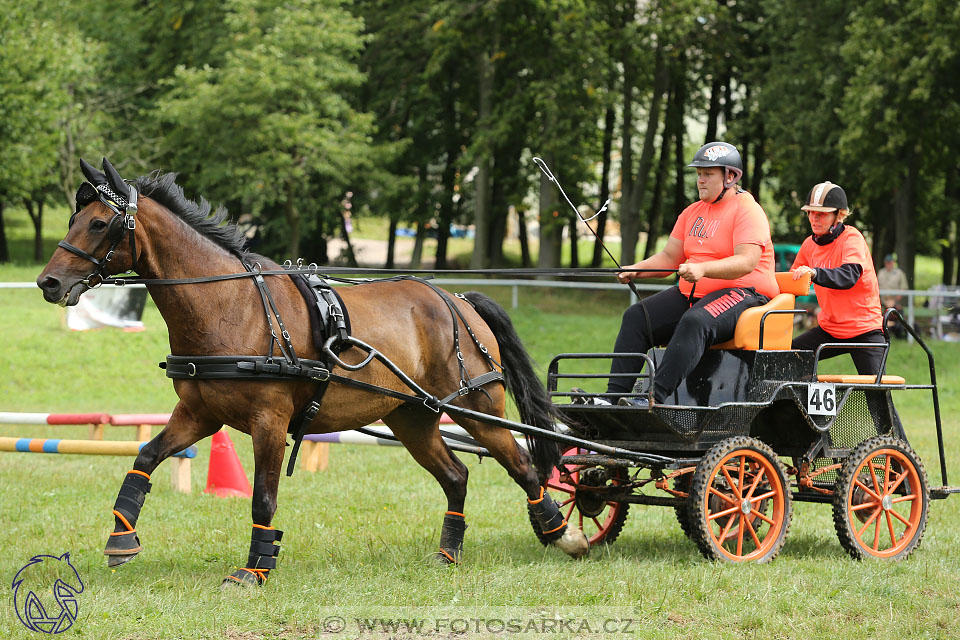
152 229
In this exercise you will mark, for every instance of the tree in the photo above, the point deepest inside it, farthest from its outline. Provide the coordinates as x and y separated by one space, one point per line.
273 123
42 60
900 108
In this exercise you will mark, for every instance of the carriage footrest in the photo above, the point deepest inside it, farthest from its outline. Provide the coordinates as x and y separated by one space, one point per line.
939 493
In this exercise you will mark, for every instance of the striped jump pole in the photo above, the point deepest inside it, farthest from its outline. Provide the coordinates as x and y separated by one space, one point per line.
181 460
353 437
315 454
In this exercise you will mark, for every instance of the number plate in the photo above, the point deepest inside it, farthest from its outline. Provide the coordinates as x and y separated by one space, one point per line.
822 399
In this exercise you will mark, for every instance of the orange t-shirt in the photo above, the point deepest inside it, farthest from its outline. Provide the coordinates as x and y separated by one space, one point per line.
844 313
711 231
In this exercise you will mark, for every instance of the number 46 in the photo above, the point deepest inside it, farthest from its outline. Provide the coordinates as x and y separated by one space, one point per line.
822 399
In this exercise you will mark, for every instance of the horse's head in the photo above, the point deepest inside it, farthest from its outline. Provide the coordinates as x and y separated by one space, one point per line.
104 217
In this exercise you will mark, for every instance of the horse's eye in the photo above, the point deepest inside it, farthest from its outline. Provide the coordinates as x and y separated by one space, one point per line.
98 225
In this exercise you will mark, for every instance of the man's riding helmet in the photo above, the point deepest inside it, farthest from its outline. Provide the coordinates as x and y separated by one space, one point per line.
720 154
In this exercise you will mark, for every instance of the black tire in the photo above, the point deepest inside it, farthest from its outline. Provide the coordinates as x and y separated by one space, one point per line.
682 483
874 518
753 494
601 521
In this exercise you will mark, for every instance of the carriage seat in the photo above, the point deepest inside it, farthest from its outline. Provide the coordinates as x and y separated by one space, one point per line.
778 328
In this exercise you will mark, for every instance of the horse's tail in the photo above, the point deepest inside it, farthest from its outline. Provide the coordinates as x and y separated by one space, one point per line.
522 382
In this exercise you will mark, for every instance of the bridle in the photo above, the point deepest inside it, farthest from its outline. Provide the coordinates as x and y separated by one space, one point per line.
123 223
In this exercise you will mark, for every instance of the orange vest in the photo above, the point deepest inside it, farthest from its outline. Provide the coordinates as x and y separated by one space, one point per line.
844 313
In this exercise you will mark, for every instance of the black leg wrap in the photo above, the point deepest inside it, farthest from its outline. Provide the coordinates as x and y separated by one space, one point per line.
126 511
552 523
262 558
451 538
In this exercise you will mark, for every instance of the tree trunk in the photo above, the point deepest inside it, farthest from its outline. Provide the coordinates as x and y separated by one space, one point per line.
713 110
679 166
630 215
481 242
608 124
4 249
351 256
574 248
759 157
416 257
293 226
391 244
449 175
524 239
551 227
37 219
671 126
904 213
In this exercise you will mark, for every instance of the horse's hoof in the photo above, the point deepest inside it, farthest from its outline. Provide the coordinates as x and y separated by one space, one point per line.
115 560
446 558
122 548
244 578
573 543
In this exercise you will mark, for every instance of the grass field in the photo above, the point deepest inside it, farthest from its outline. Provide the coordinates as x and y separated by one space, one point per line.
358 537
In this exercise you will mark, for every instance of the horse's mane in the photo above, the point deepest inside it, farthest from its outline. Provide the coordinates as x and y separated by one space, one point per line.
164 189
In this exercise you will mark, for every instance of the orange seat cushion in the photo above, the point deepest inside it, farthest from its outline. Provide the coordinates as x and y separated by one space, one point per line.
777 328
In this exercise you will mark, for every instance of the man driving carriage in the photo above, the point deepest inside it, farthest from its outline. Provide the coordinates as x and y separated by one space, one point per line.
721 248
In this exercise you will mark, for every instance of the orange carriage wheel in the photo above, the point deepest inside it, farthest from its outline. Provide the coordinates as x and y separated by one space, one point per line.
739 506
882 499
577 489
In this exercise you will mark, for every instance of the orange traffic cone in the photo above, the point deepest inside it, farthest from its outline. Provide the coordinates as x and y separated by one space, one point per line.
225 476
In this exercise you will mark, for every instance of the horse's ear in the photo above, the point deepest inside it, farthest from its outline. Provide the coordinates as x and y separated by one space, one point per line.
95 176
119 187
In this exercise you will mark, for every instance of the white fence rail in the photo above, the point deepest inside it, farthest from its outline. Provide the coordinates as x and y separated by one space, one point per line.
939 301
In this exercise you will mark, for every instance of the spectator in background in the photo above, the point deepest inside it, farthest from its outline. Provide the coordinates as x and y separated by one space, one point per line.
892 277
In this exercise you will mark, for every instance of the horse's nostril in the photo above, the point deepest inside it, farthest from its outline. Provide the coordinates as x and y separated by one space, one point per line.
49 284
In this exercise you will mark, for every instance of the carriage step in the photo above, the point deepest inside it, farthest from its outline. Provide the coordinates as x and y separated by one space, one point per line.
939 493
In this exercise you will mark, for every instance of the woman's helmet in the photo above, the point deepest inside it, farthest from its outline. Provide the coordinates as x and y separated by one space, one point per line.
720 154
825 196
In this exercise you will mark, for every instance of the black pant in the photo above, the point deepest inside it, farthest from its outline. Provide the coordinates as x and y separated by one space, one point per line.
687 331
866 360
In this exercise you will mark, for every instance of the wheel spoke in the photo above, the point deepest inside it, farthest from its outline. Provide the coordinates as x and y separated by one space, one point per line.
756 482
895 485
598 523
740 472
567 501
725 512
570 511
722 496
866 525
911 496
769 521
740 535
893 536
735 488
768 494
864 505
726 530
876 535
873 474
753 534
886 476
873 495
899 517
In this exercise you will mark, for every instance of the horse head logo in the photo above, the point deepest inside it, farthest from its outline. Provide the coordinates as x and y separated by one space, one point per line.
45 594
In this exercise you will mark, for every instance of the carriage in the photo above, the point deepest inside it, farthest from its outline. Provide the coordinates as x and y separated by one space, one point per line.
751 430
273 351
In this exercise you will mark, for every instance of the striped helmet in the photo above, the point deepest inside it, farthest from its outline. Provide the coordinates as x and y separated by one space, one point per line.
826 197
